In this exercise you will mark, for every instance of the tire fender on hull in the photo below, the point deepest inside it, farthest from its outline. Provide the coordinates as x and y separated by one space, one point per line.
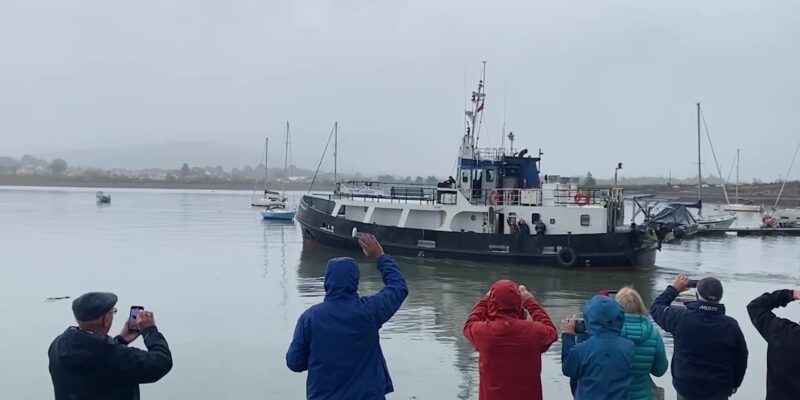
567 257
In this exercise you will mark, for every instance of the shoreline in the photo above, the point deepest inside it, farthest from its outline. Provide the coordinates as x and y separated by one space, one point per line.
759 194
53 181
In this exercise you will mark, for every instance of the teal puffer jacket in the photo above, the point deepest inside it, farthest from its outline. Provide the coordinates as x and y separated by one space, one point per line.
649 357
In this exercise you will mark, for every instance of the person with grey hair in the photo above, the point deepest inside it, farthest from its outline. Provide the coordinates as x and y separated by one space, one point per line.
87 364
710 356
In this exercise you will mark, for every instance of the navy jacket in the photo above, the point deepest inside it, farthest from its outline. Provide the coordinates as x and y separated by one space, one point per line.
710 354
89 367
601 365
337 341
783 339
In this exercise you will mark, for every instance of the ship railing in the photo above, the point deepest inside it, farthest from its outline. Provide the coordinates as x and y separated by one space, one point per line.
536 197
385 192
587 196
490 153
503 196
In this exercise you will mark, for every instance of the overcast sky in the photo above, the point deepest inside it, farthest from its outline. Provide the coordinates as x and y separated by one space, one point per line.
591 82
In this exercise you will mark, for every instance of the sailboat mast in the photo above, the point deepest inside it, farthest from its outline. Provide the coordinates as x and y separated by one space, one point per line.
737 176
335 150
286 160
699 162
266 155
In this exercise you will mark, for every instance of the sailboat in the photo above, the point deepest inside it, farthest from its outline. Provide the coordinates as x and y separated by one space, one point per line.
784 217
281 211
719 221
270 198
736 205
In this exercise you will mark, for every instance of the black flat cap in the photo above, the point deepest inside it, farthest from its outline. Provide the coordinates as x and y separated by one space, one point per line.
710 289
93 305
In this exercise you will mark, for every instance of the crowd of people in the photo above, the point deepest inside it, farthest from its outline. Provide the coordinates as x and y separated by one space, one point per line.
610 354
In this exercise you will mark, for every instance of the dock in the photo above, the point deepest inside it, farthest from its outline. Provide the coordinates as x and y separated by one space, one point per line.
752 231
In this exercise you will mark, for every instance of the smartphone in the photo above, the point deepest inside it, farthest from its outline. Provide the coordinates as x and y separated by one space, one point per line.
580 326
133 324
693 283
611 294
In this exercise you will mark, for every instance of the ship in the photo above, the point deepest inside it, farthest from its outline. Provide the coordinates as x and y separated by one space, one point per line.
496 209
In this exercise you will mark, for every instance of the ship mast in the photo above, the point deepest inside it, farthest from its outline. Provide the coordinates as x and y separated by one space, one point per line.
472 133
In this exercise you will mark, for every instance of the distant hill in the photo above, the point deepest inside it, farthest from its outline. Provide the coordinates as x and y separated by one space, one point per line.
161 155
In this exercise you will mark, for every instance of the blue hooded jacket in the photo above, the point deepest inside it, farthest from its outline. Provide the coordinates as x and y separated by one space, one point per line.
337 341
601 365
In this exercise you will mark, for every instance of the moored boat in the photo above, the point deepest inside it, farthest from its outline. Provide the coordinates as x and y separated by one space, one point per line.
740 205
673 221
278 214
103 198
280 210
495 210
714 221
269 198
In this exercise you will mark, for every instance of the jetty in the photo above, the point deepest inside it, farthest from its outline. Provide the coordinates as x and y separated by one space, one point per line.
752 231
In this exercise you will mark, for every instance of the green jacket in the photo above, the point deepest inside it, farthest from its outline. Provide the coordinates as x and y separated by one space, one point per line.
649 357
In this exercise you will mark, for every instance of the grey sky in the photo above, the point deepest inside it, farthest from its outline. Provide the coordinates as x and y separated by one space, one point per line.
591 82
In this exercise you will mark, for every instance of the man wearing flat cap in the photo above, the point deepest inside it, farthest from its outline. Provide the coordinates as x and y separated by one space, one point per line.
87 364
710 355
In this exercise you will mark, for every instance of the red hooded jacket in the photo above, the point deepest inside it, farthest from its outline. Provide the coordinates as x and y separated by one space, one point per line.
510 347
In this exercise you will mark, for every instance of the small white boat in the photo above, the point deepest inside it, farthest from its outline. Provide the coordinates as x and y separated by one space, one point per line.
741 207
103 198
715 222
277 214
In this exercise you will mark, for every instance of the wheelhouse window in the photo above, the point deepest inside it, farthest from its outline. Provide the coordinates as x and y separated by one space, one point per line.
489 175
464 176
585 220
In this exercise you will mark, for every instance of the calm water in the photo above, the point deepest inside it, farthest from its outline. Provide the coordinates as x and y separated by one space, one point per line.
227 288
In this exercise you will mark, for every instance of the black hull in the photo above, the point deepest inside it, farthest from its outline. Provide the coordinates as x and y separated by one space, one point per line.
622 249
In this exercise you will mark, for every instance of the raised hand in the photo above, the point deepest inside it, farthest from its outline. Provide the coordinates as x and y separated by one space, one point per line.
145 320
681 283
568 325
127 334
370 246
525 293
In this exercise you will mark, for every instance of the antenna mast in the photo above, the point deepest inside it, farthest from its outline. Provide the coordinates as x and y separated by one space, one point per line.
505 102
477 106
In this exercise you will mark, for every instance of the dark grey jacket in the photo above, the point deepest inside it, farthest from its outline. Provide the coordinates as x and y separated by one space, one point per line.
88 367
